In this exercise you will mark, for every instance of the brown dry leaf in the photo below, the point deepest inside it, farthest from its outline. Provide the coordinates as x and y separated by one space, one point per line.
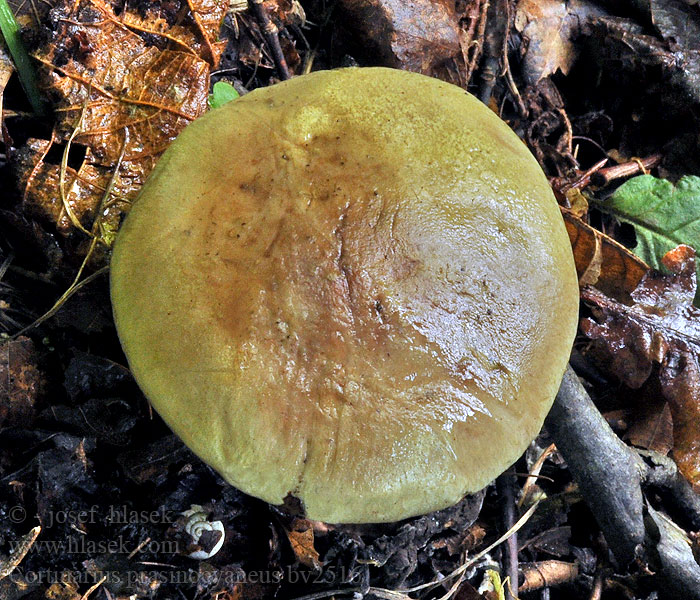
66 589
124 87
651 426
661 328
417 36
21 382
549 28
5 72
601 261
645 421
301 537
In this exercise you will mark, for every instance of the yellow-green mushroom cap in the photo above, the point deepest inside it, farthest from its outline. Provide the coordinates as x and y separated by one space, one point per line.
354 287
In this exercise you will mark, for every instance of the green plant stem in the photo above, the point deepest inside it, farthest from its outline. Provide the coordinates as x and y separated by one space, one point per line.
23 63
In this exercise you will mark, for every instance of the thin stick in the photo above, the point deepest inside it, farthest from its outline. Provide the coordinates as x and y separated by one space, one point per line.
633 167
504 486
270 32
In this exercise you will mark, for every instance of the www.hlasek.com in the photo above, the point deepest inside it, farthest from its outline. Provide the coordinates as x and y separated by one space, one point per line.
81 545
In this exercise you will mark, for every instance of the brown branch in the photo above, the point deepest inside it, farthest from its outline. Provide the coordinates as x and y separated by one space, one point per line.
584 178
270 31
547 573
633 167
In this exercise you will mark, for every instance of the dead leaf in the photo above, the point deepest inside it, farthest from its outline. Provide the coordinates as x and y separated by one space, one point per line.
21 382
549 28
417 36
66 589
5 72
645 421
662 329
124 87
601 261
651 426
679 25
301 537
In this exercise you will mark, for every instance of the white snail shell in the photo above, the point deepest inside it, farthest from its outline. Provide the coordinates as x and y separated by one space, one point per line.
197 522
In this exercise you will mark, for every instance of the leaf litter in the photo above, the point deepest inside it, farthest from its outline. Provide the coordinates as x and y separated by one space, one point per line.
660 334
123 85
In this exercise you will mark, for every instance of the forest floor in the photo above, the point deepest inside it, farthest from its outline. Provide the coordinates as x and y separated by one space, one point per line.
93 485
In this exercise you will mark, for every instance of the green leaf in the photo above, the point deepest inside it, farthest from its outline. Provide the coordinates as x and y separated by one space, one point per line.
663 215
222 93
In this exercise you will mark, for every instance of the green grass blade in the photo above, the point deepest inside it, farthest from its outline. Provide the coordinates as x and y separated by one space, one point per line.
27 75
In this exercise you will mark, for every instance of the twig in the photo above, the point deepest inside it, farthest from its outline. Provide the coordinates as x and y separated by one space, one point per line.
10 563
633 167
584 178
87 594
668 546
498 19
607 472
547 573
504 487
270 32
475 36
522 109
662 474
597 589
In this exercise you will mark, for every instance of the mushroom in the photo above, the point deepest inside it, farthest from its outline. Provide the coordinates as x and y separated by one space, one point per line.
353 288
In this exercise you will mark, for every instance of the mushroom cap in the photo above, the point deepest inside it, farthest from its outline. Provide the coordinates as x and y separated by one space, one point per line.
354 287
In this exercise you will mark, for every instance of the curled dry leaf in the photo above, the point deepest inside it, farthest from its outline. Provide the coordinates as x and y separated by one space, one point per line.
124 86
601 261
416 36
301 538
662 329
549 28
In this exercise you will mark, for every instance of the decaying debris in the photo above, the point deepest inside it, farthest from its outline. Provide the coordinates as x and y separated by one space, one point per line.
661 330
21 383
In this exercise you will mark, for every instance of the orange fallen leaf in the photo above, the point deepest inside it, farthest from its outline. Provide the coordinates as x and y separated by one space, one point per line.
601 261
124 86
301 538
